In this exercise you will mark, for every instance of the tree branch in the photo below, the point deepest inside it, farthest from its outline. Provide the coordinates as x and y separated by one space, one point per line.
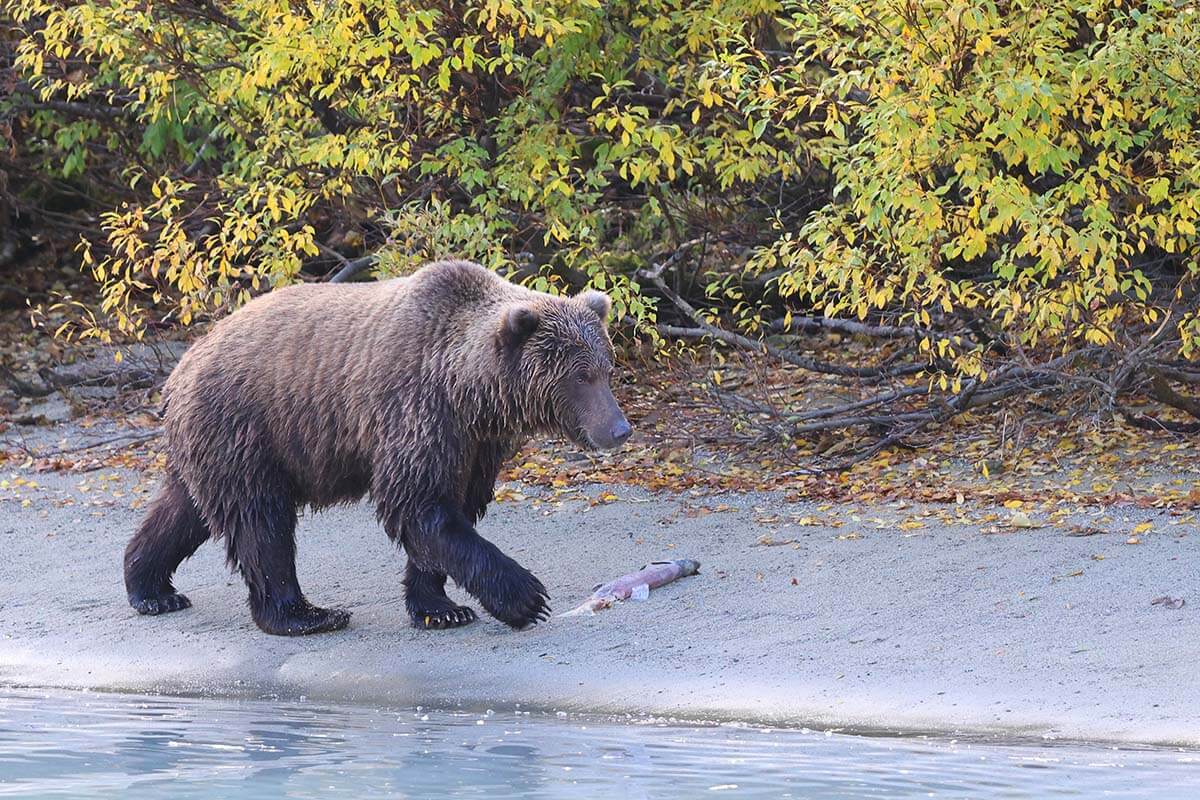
706 329
1160 390
350 268
850 327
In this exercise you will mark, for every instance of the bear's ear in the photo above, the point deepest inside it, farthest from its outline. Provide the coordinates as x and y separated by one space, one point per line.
518 325
598 302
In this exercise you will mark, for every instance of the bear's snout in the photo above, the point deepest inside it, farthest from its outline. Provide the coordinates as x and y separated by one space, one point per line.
620 432
611 435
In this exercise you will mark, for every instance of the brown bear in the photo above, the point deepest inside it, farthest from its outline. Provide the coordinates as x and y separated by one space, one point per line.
413 390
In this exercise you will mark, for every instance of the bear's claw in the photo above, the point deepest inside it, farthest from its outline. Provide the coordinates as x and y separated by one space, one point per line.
160 604
520 599
439 619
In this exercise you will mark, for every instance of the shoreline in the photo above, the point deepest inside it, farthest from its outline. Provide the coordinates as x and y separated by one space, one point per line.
853 617
995 737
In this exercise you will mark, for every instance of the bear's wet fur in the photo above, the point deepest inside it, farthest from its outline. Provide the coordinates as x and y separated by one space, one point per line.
413 391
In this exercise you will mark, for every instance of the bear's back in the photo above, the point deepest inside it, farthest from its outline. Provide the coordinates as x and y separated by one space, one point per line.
301 337
310 369
291 336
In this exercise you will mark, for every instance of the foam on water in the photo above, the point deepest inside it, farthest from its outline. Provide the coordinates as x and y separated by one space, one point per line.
77 745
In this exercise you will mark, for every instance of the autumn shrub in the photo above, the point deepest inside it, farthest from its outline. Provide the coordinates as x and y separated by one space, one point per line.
1034 168
565 138
1004 194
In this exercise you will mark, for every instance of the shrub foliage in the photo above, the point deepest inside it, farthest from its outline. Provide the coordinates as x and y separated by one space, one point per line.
1012 188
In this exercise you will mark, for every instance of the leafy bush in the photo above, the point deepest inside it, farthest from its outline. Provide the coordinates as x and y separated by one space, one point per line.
1011 187
1034 166
566 135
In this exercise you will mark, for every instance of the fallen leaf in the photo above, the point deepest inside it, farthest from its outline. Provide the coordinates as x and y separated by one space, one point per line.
1020 519
603 498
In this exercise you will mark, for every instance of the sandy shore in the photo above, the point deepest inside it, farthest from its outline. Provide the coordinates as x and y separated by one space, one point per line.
895 618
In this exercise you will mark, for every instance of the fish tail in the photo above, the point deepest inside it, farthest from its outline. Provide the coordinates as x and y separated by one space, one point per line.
592 604
578 610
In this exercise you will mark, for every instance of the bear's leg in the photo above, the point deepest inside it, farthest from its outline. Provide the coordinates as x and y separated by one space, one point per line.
261 541
443 540
171 532
427 603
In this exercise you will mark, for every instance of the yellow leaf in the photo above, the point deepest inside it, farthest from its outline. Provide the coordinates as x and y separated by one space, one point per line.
1020 519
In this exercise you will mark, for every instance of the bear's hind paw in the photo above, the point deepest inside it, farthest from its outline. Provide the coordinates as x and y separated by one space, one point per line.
302 619
160 604
439 619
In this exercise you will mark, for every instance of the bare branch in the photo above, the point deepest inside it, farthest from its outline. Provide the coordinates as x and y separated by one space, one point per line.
352 268
1161 391
23 388
706 329
876 400
851 327
126 376
1149 423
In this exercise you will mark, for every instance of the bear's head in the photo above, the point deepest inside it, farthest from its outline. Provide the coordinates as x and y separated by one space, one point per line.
564 359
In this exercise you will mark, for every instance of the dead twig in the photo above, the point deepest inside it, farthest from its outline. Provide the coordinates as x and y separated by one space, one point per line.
956 405
123 376
123 439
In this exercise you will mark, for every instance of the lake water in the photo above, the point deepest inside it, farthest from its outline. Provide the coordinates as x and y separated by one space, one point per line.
66 745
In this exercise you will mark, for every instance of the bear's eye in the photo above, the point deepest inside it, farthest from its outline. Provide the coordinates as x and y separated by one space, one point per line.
583 377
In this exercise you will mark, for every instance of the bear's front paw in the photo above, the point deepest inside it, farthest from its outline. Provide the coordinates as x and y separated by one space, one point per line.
517 598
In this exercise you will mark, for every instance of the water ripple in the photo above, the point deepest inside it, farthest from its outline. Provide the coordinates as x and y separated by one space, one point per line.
84 745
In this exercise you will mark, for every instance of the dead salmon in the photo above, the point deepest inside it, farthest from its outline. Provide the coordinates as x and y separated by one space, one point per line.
636 585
